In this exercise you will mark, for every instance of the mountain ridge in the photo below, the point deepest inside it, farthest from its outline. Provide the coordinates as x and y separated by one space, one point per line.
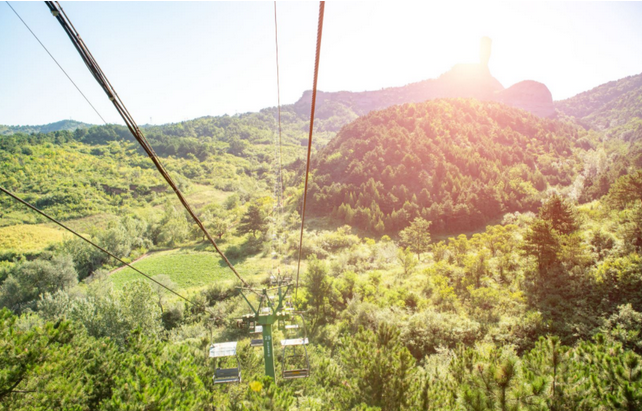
608 105
69 125
462 81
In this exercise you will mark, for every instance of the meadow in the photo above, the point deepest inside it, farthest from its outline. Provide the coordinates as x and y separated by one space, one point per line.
190 269
29 237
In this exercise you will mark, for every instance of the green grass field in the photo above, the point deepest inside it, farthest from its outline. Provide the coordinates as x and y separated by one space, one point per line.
89 223
191 270
29 237
201 195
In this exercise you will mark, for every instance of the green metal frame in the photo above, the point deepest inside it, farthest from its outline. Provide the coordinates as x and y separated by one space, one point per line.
266 321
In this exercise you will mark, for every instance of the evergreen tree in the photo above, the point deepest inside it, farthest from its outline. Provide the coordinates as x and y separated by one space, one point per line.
560 213
541 242
416 236
382 370
254 219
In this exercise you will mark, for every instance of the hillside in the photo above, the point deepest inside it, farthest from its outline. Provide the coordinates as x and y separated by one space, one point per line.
609 105
544 311
613 113
68 125
458 163
95 171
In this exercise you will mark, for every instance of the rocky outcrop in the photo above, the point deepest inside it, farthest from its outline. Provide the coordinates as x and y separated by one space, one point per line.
529 95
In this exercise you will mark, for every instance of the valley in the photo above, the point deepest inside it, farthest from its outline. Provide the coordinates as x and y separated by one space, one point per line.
461 252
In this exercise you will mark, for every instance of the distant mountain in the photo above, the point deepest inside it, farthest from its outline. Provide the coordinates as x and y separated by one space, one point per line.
463 80
69 125
459 163
610 105
530 96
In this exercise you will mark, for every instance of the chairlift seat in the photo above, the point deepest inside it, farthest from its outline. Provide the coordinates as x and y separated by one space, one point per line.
258 329
292 327
292 374
256 342
227 375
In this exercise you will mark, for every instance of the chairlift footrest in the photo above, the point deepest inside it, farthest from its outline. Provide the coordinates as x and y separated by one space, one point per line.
292 374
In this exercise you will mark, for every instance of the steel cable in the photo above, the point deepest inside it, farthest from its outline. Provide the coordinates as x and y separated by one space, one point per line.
307 167
42 213
56 61
102 80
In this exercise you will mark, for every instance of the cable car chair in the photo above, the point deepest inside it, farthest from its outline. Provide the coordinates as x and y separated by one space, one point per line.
226 375
257 342
295 352
256 328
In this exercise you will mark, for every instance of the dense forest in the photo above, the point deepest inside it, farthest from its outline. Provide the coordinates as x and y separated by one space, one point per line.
458 163
463 255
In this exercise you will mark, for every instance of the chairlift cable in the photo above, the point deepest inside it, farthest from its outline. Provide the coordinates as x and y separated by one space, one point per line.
279 152
56 61
102 80
278 94
307 167
42 213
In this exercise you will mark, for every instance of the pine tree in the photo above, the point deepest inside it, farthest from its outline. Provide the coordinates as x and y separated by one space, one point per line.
254 219
541 242
560 213
416 236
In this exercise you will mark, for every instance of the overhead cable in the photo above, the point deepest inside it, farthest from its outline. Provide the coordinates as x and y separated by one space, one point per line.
56 61
278 150
42 213
307 167
96 71
278 97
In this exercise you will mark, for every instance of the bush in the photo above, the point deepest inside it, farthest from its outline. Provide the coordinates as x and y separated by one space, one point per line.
172 318
28 280
428 330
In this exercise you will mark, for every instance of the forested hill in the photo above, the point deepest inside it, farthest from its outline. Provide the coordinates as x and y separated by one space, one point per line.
69 125
613 104
614 111
456 162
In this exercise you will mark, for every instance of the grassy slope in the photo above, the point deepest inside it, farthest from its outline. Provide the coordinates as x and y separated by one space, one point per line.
190 269
23 238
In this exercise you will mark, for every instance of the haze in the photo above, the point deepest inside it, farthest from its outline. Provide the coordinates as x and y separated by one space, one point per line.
176 61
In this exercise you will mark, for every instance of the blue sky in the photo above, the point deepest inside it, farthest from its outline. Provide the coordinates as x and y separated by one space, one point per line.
173 61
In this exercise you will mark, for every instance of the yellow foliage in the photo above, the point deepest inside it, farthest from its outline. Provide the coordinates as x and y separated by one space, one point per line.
256 386
29 237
